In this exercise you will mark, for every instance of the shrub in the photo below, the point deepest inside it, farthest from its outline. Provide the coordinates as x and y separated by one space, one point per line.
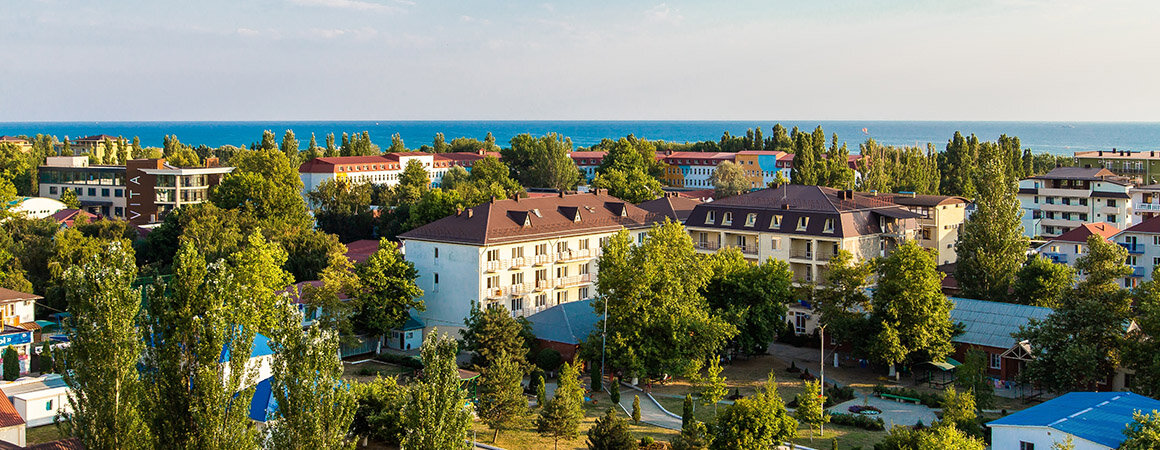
859 421
930 400
11 364
367 372
401 360
647 441
549 359
537 375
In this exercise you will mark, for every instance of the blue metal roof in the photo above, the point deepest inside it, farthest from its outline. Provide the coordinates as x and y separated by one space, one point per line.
261 347
992 323
263 405
567 323
412 324
1099 417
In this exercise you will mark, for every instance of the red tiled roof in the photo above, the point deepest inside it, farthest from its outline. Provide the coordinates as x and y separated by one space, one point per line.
63 444
358 251
527 219
68 216
8 415
1081 233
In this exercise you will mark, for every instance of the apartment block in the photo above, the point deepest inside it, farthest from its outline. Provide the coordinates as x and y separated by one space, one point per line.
803 225
1069 246
22 144
1067 197
1142 167
1142 241
941 218
526 254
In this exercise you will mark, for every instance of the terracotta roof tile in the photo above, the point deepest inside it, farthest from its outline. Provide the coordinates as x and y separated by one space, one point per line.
1081 233
9 295
8 415
673 206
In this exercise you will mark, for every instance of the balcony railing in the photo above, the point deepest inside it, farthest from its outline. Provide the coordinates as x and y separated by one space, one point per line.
706 245
1135 249
572 255
825 256
542 259
747 249
802 254
1139 271
1060 258
576 280
543 284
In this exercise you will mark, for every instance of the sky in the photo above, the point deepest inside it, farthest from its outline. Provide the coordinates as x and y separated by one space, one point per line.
1067 60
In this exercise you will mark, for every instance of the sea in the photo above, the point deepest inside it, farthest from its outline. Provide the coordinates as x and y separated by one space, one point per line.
1061 138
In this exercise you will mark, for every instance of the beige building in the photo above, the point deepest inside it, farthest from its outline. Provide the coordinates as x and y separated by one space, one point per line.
20 143
938 226
803 225
525 254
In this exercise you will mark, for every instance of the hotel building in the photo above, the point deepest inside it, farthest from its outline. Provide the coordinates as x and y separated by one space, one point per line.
1067 197
382 169
525 254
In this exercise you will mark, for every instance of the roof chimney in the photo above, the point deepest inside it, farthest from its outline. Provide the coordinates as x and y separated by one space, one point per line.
1101 153
561 194
470 212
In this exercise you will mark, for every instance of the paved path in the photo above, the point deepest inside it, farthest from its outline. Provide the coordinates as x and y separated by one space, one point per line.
650 412
892 412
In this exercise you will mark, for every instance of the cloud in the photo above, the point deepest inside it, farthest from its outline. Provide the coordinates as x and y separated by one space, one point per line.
663 13
356 5
469 19
332 33
247 32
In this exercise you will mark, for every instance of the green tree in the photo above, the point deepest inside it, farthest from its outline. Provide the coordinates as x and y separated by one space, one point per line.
756 422
633 186
542 162
1041 282
331 148
750 296
687 411
942 437
991 243
541 393
47 364
560 417
808 166
658 321
711 388
629 170
343 207
811 407
958 408
440 144
610 432
1143 433
264 184
397 145
972 377
436 416
491 331
386 292
839 175
959 164
1081 342
69 198
11 364
728 180
636 409
595 373
289 147
842 300
104 348
379 413
203 324
909 308
315 405
502 404
694 436
1143 351
614 391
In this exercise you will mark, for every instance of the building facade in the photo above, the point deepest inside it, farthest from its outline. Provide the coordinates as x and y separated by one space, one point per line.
382 169
802 225
1145 202
142 191
1067 247
941 218
1068 197
525 254
1143 167
23 144
1142 241
1093 421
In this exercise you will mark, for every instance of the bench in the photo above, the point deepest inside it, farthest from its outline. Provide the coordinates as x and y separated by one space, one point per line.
900 398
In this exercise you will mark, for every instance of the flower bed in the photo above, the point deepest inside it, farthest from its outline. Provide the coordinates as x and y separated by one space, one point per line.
865 410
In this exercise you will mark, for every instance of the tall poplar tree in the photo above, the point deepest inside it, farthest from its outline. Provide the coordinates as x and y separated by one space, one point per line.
289 147
100 365
436 416
991 244
910 311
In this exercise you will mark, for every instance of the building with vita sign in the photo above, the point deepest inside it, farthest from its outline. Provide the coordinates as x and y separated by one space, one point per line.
526 254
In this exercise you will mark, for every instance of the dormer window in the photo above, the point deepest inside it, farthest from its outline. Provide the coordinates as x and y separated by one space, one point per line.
775 222
803 222
750 219
829 226
727 219
711 217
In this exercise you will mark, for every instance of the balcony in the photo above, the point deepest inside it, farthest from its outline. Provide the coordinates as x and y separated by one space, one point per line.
802 254
706 245
576 280
543 285
540 260
747 249
573 255
1138 271
1061 208
1059 258
1135 249
1146 207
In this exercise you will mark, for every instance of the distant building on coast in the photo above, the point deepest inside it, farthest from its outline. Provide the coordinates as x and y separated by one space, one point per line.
383 169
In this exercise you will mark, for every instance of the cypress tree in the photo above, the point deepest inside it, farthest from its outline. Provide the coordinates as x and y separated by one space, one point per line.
636 409
11 364
687 411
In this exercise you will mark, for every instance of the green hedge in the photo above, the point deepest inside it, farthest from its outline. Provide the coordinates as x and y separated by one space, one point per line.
931 400
401 360
859 421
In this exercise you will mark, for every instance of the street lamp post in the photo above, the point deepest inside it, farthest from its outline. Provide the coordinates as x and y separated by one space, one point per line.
603 339
822 366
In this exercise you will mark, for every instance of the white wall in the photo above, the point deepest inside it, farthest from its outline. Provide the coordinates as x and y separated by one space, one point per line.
458 266
13 435
40 407
1008 438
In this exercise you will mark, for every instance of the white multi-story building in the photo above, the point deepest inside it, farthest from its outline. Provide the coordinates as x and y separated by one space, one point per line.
1142 241
525 254
1067 197
382 169
1067 247
1145 202
587 162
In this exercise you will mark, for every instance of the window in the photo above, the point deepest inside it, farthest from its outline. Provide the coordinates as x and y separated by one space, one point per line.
561 297
774 243
640 238
562 246
1083 202
52 190
93 193
517 278
750 219
517 252
1111 203
584 244
561 272
118 211
583 293
584 269
829 226
48 405
1035 199
1112 218
803 222
436 252
1083 217
1026 446
711 217
799 323
1155 240
517 304
104 192
727 219
996 360
603 241
493 282
492 255
541 249
775 222
435 286
541 300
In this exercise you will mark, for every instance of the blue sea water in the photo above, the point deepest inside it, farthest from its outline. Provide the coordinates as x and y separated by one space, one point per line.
1055 137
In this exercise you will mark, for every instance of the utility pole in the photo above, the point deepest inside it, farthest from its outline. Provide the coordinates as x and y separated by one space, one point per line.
603 339
822 366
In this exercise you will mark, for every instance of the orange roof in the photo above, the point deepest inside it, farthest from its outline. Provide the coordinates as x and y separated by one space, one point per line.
1081 233
8 415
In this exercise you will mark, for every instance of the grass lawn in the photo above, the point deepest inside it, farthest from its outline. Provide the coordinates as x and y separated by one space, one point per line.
44 433
848 437
367 371
527 437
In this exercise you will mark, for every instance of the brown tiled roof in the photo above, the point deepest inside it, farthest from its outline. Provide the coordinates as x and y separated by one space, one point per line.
360 250
330 164
1148 226
923 200
11 139
1076 173
1081 233
63 444
854 213
672 206
8 415
9 295
97 137
535 218
700 194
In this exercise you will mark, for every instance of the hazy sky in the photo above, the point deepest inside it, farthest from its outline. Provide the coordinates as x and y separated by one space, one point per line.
482 59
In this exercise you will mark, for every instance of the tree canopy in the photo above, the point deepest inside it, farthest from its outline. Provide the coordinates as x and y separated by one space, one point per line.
909 309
